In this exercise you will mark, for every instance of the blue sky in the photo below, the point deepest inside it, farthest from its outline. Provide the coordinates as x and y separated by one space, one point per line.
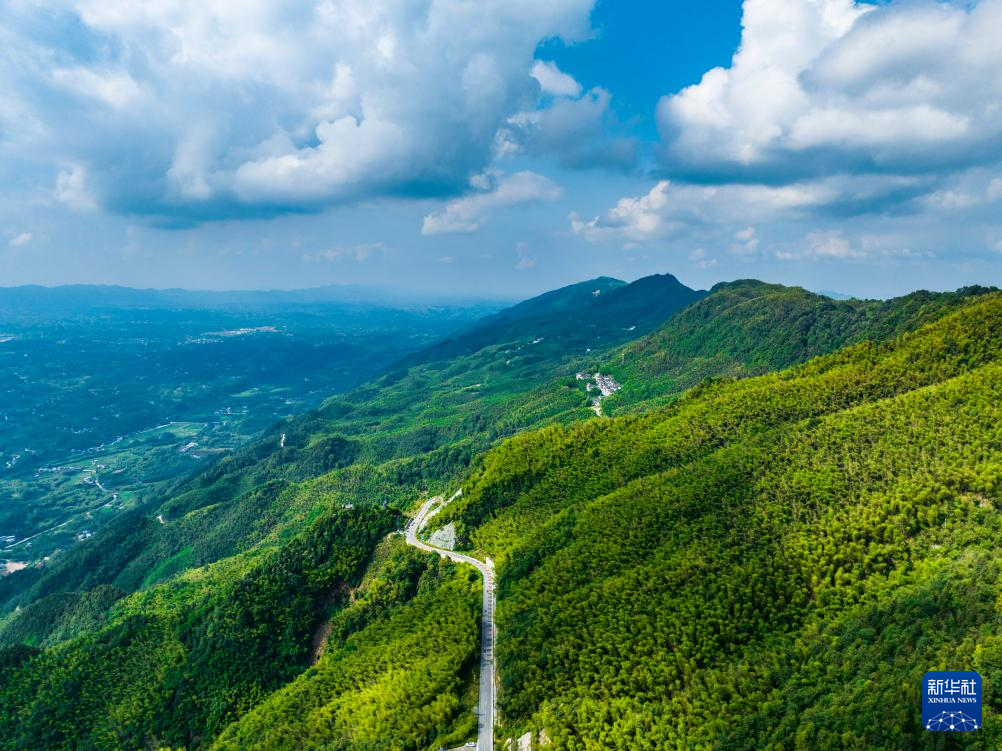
641 50
500 147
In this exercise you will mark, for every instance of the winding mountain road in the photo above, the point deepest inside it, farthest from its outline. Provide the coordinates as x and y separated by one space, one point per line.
485 710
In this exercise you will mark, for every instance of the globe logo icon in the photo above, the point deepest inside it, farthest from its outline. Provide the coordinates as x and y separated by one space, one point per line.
952 721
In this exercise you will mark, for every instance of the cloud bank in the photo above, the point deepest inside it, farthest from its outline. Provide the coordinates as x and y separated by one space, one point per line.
201 109
822 87
832 113
493 191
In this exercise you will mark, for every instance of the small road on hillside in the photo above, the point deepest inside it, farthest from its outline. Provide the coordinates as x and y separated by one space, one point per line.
37 534
485 711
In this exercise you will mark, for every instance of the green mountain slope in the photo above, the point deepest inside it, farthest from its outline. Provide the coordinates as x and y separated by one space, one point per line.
393 672
748 328
773 562
587 316
175 664
144 636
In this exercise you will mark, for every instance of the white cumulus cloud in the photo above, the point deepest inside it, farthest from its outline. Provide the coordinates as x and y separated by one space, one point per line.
820 87
673 207
22 239
198 109
72 190
554 81
578 130
887 116
823 244
636 219
493 191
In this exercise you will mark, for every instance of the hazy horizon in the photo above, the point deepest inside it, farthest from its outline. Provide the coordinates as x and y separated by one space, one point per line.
416 293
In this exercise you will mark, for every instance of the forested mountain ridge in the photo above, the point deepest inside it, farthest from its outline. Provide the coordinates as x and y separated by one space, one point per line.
748 327
119 631
768 563
586 316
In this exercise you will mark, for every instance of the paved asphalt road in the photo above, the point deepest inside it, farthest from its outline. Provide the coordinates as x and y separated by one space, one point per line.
485 712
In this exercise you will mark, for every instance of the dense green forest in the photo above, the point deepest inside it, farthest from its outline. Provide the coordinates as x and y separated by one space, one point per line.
748 556
771 562
178 662
748 328
396 671
592 314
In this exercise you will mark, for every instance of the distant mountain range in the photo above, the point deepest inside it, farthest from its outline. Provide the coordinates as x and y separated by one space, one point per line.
596 313
834 295
75 298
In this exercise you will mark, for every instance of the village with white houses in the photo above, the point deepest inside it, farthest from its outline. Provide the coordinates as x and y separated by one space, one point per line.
605 384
